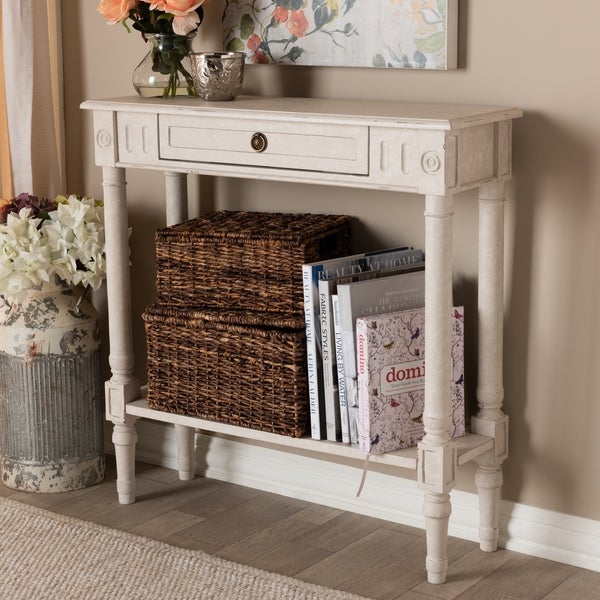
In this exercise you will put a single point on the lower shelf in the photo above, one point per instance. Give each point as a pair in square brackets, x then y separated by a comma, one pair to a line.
[468, 447]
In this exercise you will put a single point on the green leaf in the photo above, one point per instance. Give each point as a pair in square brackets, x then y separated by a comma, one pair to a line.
[322, 16]
[235, 45]
[295, 53]
[442, 6]
[430, 44]
[378, 61]
[246, 26]
[349, 6]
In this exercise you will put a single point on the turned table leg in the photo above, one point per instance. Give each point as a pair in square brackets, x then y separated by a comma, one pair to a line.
[489, 485]
[436, 452]
[176, 193]
[122, 386]
[124, 439]
[490, 420]
[185, 451]
[437, 509]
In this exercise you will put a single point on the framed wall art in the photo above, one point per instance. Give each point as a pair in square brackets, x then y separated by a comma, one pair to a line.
[405, 34]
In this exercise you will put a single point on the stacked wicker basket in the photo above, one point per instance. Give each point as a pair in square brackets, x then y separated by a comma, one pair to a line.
[226, 338]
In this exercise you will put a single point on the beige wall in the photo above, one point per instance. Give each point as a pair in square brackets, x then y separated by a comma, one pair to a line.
[543, 60]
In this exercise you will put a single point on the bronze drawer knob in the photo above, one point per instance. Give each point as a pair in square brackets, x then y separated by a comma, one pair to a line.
[259, 142]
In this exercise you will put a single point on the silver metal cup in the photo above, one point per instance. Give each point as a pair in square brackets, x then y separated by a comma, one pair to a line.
[218, 75]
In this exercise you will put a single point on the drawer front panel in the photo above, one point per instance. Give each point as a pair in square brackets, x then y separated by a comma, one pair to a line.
[302, 146]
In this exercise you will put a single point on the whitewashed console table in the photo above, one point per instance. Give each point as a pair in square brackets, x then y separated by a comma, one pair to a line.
[433, 150]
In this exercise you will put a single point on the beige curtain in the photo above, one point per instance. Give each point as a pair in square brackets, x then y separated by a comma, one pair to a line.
[31, 101]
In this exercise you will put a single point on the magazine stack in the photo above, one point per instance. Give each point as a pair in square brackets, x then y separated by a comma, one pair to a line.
[350, 400]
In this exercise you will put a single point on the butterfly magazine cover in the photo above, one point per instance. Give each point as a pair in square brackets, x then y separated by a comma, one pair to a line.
[391, 379]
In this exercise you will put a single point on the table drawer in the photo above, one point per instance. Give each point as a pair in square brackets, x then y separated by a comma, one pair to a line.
[334, 148]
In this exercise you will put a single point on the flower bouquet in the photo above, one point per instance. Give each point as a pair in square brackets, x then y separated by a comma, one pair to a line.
[41, 239]
[169, 25]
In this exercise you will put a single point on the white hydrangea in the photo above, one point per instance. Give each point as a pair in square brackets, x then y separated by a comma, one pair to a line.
[69, 244]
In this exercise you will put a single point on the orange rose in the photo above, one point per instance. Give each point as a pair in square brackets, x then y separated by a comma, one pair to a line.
[115, 11]
[281, 15]
[297, 23]
[254, 41]
[260, 57]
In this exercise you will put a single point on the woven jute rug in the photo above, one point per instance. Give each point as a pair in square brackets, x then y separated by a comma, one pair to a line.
[46, 556]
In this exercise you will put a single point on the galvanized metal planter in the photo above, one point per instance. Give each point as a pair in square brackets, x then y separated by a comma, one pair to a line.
[51, 424]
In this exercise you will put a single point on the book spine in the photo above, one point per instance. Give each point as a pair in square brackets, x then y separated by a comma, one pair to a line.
[363, 413]
[347, 328]
[332, 409]
[313, 358]
[340, 370]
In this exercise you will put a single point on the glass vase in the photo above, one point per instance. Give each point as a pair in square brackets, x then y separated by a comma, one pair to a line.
[165, 70]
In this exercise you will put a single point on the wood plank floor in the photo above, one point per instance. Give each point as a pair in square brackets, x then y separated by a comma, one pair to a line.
[337, 549]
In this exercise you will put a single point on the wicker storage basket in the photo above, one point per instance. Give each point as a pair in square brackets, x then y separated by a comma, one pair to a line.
[245, 260]
[246, 369]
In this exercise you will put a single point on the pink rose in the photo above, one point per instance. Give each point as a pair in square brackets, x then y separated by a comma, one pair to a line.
[183, 25]
[115, 11]
[185, 19]
[156, 4]
[179, 8]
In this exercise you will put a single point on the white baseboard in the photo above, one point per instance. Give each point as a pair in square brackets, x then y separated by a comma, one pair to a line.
[525, 529]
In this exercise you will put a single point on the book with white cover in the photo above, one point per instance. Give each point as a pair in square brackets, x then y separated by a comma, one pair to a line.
[344, 416]
[391, 360]
[313, 359]
[333, 428]
[311, 274]
[366, 298]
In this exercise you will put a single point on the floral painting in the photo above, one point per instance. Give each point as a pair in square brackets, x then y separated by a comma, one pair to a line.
[407, 34]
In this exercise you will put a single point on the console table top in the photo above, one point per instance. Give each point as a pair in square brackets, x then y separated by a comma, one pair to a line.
[415, 114]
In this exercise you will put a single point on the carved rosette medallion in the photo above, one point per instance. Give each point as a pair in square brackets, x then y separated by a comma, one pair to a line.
[431, 162]
[103, 138]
